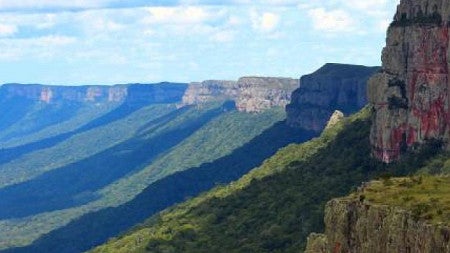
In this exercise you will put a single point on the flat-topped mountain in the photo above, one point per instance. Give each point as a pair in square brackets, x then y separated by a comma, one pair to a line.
[162, 92]
[250, 94]
[333, 87]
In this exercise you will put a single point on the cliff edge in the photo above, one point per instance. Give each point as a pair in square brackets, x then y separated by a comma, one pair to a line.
[394, 215]
[250, 94]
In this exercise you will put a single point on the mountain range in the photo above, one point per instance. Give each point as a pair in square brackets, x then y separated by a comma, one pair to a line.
[347, 159]
[83, 164]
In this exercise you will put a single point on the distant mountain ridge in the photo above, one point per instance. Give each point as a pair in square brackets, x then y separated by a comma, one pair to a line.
[158, 93]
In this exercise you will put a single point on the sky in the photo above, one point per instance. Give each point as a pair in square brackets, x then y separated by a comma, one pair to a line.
[78, 42]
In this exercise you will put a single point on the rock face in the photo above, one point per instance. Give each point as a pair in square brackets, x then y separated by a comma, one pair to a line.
[130, 93]
[335, 118]
[250, 94]
[353, 226]
[410, 96]
[211, 90]
[260, 93]
[332, 87]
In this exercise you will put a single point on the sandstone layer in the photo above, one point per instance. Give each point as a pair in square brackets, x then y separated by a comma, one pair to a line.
[410, 96]
[250, 94]
[352, 226]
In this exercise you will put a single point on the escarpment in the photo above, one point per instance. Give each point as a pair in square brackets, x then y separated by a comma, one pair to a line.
[129, 93]
[199, 93]
[250, 94]
[410, 96]
[333, 87]
[388, 217]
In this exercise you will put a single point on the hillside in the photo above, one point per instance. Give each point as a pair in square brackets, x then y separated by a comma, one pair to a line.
[274, 207]
[104, 153]
[72, 190]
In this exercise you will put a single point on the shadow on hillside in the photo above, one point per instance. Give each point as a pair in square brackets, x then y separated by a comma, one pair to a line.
[9, 154]
[95, 228]
[13, 113]
[76, 184]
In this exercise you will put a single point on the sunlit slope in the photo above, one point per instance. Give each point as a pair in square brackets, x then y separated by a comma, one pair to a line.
[274, 207]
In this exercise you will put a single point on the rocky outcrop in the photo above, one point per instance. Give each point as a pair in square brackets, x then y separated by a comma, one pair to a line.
[354, 226]
[335, 118]
[410, 96]
[130, 93]
[332, 87]
[250, 94]
[208, 91]
[260, 93]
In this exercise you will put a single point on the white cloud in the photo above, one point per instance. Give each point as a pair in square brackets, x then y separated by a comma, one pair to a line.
[224, 36]
[7, 30]
[332, 21]
[264, 22]
[46, 4]
[38, 47]
[52, 40]
[366, 5]
[177, 15]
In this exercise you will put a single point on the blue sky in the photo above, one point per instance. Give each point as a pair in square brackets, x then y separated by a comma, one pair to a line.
[74, 42]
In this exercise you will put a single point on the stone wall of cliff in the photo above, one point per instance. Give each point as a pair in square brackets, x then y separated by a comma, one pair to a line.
[352, 226]
[250, 94]
[332, 87]
[130, 93]
[381, 218]
[210, 90]
[410, 96]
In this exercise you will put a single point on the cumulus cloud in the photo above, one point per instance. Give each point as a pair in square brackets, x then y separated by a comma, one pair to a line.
[7, 30]
[177, 15]
[264, 22]
[331, 21]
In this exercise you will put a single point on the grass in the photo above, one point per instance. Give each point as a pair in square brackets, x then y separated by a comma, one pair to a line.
[427, 197]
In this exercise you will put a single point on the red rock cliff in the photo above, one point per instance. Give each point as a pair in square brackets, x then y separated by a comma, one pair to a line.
[410, 96]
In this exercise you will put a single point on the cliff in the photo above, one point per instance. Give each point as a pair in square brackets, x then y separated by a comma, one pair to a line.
[260, 93]
[199, 93]
[410, 96]
[129, 93]
[332, 87]
[396, 215]
[250, 94]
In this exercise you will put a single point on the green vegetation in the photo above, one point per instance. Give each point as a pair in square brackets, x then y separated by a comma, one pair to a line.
[38, 132]
[79, 146]
[216, 137]
[274, 207]
[427, 197]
